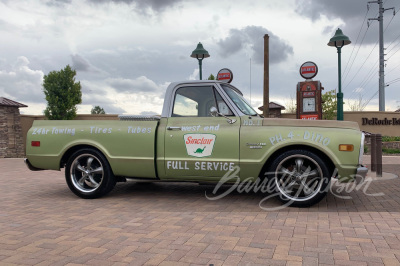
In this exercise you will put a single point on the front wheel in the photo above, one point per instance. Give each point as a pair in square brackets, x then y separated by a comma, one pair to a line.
[88, 174]
[301, 178]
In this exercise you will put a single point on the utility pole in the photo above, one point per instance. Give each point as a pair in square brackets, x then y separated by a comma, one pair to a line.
[250, 80]
[266, 76]
[381, 53]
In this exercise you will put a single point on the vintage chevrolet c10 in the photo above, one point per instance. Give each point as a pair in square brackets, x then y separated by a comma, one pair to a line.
[206, 131]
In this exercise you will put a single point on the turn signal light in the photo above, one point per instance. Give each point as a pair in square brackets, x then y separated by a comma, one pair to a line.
[35, 143]
[346, 147]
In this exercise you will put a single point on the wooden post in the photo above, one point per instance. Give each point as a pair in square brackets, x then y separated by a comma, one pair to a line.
[266, 76]
[378, 155]
[373, 152]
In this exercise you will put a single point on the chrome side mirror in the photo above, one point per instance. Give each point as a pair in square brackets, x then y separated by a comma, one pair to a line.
[214, 113]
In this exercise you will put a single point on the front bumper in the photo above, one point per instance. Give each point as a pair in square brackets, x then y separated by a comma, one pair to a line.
[361, 174]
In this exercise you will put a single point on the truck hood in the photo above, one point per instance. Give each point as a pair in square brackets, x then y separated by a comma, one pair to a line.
[309, 123]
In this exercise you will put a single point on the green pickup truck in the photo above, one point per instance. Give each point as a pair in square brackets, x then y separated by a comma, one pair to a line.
[206, 131]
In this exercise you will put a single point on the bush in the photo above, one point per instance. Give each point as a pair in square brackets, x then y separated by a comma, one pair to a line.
[388, 138]
[390, 151]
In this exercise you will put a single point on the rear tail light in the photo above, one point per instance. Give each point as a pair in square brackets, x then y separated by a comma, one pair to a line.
[35, 144]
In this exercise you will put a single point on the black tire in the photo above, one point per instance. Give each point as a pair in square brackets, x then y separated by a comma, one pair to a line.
[88, 174]
[301, 178]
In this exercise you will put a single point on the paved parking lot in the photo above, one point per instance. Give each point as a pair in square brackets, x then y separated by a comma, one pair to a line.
[43, 223]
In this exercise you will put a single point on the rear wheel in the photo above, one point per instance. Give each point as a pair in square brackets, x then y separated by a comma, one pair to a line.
[301, 178]
[88, 174]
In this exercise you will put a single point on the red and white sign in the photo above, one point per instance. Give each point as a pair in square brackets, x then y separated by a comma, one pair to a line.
[308, 93]
[199, 145]
[225, 75]
[309, 117]
[308, 70]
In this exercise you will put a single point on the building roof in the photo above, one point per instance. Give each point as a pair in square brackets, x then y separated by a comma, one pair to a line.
[272, 105]
[11, 103]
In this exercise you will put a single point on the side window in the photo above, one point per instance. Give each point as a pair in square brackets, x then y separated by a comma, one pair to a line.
[193, 101]
[222, 106]
[197, 102]
[184, 106]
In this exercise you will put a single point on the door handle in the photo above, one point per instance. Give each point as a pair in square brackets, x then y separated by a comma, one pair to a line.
[174, 128]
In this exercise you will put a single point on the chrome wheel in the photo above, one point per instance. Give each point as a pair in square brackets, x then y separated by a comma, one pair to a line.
[301, 177]
[86, 173]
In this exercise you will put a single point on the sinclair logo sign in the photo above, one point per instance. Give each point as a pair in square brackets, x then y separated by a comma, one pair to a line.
[308, 70]
[199, 145]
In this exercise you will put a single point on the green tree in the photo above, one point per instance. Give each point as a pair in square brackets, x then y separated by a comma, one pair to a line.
[97, 110]
[211, 77]
[62, 94]
[329, 105]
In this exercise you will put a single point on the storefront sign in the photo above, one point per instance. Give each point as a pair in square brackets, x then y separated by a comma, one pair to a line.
[380, 122]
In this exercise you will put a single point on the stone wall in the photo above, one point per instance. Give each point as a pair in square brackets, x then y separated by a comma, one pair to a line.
[11, 137]
[275, 113]
[391, 145]
[384, 123]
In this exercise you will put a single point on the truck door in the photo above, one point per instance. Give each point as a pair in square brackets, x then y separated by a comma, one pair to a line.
[199, 146]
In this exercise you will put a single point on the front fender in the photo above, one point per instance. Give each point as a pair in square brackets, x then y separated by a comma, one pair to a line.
[258, 145]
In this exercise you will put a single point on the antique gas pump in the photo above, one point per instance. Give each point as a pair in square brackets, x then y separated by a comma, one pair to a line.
[309, 94]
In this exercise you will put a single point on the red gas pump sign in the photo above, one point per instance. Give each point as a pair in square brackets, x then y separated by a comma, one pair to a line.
[225, 75]
[308, 70]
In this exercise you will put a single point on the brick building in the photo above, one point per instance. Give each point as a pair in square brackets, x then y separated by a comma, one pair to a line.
[11, 140]
[275, 110]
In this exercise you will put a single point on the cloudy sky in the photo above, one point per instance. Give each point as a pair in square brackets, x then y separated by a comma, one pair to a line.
[126, 52]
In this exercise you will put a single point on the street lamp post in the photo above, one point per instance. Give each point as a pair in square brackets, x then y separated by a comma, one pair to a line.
[200, 53]
[338, 41]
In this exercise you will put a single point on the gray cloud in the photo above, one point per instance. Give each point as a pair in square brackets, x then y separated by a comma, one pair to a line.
[112, 109]
[58, 3]
[140, 84]
[148, 113]
[251, 38]
[144, 7]
[344, 9]
[18, 81]
[352, 13]
[97, 97]
[6, 26]
[79, 63]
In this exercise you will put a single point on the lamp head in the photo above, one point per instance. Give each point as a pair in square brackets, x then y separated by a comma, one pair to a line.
[200, 52]
[339, 40]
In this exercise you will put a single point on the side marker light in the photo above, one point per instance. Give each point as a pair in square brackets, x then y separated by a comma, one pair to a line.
[346, 147]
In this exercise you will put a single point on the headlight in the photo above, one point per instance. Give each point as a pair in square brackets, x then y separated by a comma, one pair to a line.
[361, 148]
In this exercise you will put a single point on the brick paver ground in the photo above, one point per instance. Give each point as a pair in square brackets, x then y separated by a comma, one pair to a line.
[43, 223]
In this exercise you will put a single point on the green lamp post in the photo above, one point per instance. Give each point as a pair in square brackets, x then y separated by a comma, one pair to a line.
[338, 41]
[200, 53]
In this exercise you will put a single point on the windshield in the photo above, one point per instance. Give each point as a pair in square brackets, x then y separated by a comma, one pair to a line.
[239, 101]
